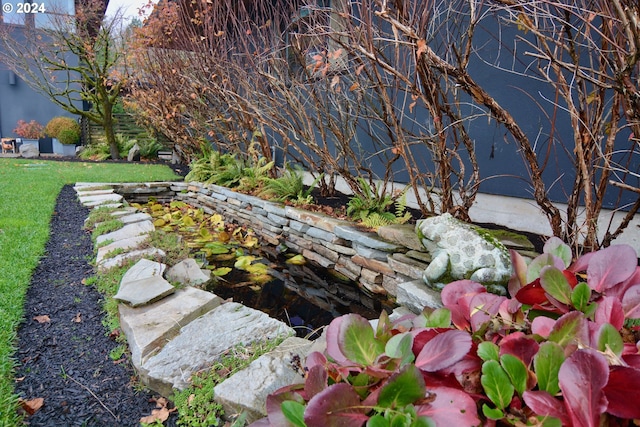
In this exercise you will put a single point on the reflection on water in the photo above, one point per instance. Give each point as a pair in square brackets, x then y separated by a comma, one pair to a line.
[306, 297]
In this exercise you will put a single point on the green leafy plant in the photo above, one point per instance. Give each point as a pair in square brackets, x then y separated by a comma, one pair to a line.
[106, 227]
[196, 406]
[372, 206]
[99, 148]
[65, 127]
[289, 187]
[69, 136]
[552, 355]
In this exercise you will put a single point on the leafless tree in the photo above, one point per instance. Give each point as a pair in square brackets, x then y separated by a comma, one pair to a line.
[72, 60]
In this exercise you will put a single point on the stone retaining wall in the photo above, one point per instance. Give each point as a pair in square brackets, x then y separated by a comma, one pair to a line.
[380, 263]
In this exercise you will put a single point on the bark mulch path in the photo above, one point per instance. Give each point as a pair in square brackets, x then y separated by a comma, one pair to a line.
[65, 359]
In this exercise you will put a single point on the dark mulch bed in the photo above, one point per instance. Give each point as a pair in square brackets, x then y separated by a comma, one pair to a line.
[66, 361]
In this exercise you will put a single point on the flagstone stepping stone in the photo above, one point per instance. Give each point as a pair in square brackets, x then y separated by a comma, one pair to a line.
[139, 253]
[99, 199]
[266, 374]
[204, 341]
[148, 328]
[131, 218]
[143, 269]
[125, 244]
[187, 272]
[144, 291]
[124, 211]
[127, 231]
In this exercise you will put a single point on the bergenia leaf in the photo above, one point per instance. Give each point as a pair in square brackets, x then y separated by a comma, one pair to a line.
[377, 421]
[546, 365]
[492, 413]
[544, 404]
[483, 308]
[623, 393]
[356, 340]
[610, 266]
[631, 302]
[333, 335]
[582, 378]
[496, 384]
[532, 294]
[402, 388]
[316, 381]
[451, 407]
[488, 351]
[294, 413]
[519, 278]
[580, 296]
[609, 310]
[519, 345]
[453, 292]
[541, 261]
[555, 246]
[439, 318]
[337, 406]
[555, 284]
[275, 412]
[517, 372]
[542, 326]
[456, 296]
[570, 328]
[443, 350]
[609, 338]
[399, 347]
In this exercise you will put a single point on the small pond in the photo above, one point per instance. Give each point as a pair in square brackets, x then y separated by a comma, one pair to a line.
[282, 284]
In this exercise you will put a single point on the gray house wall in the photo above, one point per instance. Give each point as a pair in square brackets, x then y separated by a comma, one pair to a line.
[18, 100]
[502, 168]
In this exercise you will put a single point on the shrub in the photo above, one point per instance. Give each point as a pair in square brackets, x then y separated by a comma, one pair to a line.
[69, 136]
[562, 351]
[56, 125]
[31, 130]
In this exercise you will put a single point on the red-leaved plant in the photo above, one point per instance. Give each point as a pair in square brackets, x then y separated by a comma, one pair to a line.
[561, 352]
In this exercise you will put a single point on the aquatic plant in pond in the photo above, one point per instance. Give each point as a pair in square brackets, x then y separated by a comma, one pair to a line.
[282, 284]
[563, 351]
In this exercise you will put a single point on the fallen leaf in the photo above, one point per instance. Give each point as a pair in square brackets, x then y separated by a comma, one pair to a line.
[42, 319]
[161, 413]
[78, 318]
[32, 406]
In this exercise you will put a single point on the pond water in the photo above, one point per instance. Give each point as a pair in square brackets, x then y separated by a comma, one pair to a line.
[284, 285]
[306, 297]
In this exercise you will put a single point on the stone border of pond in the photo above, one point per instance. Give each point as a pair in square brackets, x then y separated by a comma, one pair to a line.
[388, 262]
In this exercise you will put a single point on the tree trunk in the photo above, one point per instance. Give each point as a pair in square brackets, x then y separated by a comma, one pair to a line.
[109, 133]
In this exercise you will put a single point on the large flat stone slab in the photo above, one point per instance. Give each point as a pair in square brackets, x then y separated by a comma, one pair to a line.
[99, 199]
[265, 375]
[131, 218]
[150, 327]
[203, 342]
[127, 231]
[122, 258]
[416, 295]
[144, 291]
[143, 269]
[187, 272]
[125, 244]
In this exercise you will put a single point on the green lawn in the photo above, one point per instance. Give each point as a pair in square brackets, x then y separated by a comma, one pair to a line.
[28, 191]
